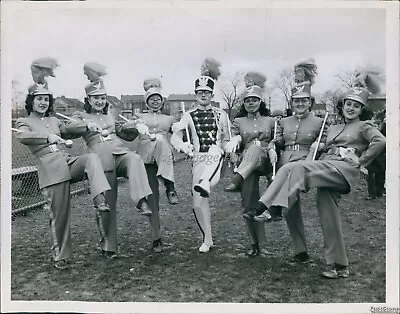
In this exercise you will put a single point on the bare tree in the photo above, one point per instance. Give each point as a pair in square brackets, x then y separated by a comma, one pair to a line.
[231, 90]
[284, 83]
[348, 78]
[16, 98]
[330, 98]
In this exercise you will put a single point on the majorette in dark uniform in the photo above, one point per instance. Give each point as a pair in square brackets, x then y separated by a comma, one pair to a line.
[102, 135]
[253, 130]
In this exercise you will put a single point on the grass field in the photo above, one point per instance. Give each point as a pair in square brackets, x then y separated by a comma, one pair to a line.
[181, 273]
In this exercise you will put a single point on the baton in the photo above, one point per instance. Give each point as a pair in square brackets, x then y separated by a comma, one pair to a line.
[320, 135]
[63, 116]
[186, 127]
[230, 137]
[274, 164]
[123, 118]
[67, 143]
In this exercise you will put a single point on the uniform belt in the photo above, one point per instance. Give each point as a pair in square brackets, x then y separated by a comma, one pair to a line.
[98, 139]
[297, 147]
[335, 150]
[47, 150]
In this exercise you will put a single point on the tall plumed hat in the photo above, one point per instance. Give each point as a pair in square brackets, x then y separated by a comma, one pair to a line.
[254, 85]
[209, 74]
[305, 71]
[152, 86]
[41, 68]
[366, 83]
[94, 72]
[304, 77]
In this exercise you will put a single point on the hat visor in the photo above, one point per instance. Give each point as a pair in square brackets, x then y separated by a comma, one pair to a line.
[252, 95]
[42, 92]
[301, 95]
[356, 98]
[97, 92]
[204, 88]
[149, 95]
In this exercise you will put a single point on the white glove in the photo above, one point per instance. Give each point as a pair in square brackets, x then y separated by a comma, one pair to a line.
[363, 170]
[93, 126]
[129, 125]
[273, 157]
[186, 148]
[142, 128]
[314, 146]
[232, 145]
[178, 126]
[159, 136]
[55, 139]
[348, 154]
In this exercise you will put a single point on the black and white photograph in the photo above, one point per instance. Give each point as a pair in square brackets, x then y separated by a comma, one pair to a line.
[200, 156]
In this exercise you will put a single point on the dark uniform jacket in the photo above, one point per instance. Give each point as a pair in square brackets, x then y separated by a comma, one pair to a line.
[295, 136]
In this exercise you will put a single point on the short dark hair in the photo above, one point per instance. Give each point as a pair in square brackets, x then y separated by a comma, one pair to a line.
[88, 107]
[366, 114]
[264, 111]
[29, 104]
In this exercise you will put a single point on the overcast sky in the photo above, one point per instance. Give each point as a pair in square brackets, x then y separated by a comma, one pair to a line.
[137, 43]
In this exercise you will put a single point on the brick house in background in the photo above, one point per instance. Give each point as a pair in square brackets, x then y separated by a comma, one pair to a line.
[376, 102]
[67, 106]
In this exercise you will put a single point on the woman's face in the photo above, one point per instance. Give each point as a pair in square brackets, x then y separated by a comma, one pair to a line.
[352, 109]
[98, 102]
[301, 105]
[155, 102]
[252, 104]
[41, 104]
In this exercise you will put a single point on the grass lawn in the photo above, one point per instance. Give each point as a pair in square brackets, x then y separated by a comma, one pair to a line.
[181, 273]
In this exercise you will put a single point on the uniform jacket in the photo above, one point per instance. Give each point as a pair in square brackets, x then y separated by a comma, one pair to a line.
[367, 141]
[218, 134]
[104, 147]
[53, 159]
[158, 123]
[251, 128]
[298, 131]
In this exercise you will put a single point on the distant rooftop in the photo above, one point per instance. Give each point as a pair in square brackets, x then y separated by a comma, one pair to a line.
[181, 97]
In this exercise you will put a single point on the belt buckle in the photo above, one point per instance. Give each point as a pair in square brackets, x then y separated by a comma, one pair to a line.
[105, 139]
[257, 142]
[53, 148]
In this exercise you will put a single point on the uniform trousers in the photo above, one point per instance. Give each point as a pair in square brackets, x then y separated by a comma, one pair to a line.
[59, 201]
[300, 176]
[206, 166]
[250, 193]
[161, 155]
[130, 166]
[154, 201]
[251, 160]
